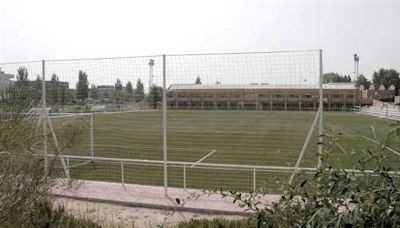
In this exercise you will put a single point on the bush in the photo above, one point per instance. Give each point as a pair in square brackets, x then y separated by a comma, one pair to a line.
[218, 223]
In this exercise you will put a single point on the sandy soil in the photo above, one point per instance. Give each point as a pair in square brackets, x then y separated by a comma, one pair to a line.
[110, 215]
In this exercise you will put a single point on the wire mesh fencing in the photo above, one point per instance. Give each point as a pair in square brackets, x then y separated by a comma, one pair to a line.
[224, 122]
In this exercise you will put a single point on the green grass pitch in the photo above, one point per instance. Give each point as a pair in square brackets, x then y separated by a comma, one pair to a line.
[232, 137]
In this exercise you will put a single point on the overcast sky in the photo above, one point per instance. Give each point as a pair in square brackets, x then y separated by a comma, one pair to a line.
[54, 29]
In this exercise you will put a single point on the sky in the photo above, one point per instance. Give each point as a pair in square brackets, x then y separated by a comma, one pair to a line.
[63, 29]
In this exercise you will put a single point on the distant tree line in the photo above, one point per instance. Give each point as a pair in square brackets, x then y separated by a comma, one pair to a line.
[58, 93]
[385, 77]
[335, 77]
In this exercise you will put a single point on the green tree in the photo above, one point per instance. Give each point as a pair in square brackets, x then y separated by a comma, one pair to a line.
[118, 94]
[362, 80]
[38, 89]
[139, 93]
[22, 76]
[333, 77]
[155, 96]
[129, 90]
[54, 88]
[386, 77]
[94, 94]
[63, 96]
[82, 88]
[21, 89]
[198, 80]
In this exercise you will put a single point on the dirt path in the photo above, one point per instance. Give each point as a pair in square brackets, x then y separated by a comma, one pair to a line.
[110, 215]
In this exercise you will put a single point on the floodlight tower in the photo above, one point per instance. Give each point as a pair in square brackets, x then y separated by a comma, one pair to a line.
[151, 76]
[356, 60]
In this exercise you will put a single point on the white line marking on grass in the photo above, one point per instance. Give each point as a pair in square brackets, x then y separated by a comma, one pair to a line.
[212, 151]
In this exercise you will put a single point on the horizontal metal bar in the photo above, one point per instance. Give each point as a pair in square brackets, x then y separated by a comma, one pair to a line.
[214, 165]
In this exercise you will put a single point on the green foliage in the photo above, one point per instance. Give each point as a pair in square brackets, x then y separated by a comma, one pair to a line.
[43, 214]
[218, 223]
[386, 77]
[55, 89]
[118, 94]
[335, 77]
[129, 90]
[155, 96]
[94, 93]
[37, 89]
[82, 87]
[20, 91]
[362, 80]
[139, 93]
[198, 80]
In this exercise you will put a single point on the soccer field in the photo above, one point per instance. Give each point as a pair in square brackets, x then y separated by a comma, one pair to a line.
[222, 137]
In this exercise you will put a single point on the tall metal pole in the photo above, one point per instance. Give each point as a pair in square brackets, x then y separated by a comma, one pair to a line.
[321, 111]
[164, 112]
[91, 135]
[356, 61]
[44, 117]
[151, 76]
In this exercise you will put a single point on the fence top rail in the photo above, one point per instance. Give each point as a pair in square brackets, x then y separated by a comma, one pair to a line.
[160, 55]
[20, 62]
[231, 166]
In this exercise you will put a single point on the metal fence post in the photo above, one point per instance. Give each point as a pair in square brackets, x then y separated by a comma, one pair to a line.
[321, 105]
[68, 164]
[164, 113]
[184, 176]
[44, 119]
[91, 135]
[254, 179]
[122, 173]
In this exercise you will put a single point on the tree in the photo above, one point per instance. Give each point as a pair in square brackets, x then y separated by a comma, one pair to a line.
[155, 96]
[38, 89]
[139, 93]
[82, 88]
[118, 96]
[362, 80]
[22, 76]
[54, 88]
[94, 94]
[333, 77]
[386, 77]
[129, 90]
[198, 81]
[21, 90]
[63, 96]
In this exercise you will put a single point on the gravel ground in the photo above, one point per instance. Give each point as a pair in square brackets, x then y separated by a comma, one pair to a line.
[110, 215]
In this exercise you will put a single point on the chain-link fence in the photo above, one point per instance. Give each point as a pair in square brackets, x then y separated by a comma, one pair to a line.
[194, 121]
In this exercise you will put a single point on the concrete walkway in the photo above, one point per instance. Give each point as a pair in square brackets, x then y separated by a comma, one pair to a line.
[150, 197]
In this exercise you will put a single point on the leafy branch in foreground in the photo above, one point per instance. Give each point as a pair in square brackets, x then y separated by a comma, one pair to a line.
[24, 184]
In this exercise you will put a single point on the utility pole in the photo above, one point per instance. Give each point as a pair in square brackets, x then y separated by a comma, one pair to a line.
[151, 76]
[356, 60]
